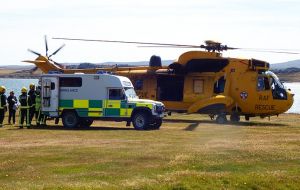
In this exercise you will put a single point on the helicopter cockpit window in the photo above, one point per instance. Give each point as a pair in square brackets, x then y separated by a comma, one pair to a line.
[219, 86]
[278, 90]
[263, 83]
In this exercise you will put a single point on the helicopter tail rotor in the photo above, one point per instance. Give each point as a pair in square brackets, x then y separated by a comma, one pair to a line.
[46, 45]
[55, 52]
[34, 52]
[47, 56]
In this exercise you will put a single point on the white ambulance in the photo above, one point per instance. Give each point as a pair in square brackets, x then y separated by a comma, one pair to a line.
[79, 99]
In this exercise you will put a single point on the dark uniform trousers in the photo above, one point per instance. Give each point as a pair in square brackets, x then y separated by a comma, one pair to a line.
[24, 110]
[32, 95]
[2, 108]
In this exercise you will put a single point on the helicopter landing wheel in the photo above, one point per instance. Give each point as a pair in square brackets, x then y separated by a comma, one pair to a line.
[212, 116]
[247, 118]
[234, 117]
[221, 119]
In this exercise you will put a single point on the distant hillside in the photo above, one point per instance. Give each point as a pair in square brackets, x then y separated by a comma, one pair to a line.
[285, 65]
[17, 67]
[109, 64]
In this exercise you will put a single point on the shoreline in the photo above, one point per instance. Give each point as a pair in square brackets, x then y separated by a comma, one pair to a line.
[19, 76]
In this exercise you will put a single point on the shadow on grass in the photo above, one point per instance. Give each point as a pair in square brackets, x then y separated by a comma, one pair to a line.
[260, 124]
[194, 123]
[59, 127]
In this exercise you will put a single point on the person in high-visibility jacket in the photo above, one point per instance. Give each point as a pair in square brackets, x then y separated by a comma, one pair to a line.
[3, 107]
[32, 95]
[25, 105]
[41, 118]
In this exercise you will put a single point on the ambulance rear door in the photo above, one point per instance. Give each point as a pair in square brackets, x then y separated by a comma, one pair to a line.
[50, 95]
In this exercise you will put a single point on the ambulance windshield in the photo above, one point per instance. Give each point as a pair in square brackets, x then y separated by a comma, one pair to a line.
[130, 93]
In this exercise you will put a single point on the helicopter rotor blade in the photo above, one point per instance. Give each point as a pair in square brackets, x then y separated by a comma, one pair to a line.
[34, 52]
[125, 42]
[168, 46]
[46, 45]
[55, 52]
[210, 45]
[283, 51]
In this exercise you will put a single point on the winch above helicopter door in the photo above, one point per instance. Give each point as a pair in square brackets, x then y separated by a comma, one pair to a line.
[170, 88]
[50, 95]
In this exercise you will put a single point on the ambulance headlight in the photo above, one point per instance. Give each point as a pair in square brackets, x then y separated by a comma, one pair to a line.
[159, 109]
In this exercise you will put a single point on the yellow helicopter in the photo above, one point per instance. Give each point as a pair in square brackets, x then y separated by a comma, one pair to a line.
[199, 82]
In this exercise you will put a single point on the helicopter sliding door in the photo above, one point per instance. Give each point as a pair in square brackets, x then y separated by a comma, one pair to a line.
[170, 88]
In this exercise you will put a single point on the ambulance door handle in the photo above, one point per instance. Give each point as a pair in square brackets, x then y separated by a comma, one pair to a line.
[110, 106]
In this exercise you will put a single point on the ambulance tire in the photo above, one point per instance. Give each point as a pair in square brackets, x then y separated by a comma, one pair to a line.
[156, 124]
[140, 120]
[70, 119]
[85, 123]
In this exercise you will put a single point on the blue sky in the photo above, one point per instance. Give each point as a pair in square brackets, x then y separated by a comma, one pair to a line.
[248, 23]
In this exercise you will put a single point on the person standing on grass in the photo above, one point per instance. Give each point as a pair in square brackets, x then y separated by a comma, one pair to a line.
[12, 107]
[3, 107]
[25, 105]
[32, 95]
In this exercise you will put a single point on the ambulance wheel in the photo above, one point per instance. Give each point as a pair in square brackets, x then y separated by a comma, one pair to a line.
[221, 119]
[234, 117]
[157, 123]
[85, 123]
[70, 119]
[140, 120]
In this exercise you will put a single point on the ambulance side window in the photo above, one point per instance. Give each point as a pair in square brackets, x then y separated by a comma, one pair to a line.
[52, 85]
[70, 82]
[116, 94]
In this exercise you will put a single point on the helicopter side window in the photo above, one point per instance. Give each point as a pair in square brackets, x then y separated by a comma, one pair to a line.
[219, 85]
[263, 83]
[198, 86]
[267, 83]
[260, 83]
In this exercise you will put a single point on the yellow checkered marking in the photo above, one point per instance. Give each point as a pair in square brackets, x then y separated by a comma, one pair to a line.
[81, 104]
[96, 109]
[95, 114]
[112, 103]
[144, 105]
[125, 112]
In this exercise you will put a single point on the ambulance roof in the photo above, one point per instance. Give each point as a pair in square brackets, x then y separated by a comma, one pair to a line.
[109, 78]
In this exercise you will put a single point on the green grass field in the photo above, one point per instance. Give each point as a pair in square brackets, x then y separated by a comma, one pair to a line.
[188, 152]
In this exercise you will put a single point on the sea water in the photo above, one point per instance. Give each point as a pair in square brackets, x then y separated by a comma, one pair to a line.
[17, 84]
[295, 88]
